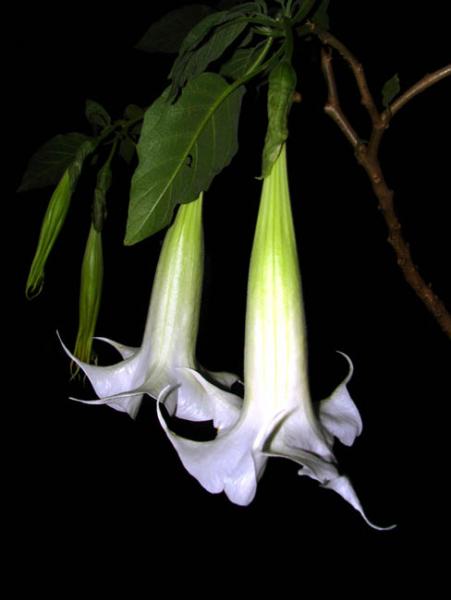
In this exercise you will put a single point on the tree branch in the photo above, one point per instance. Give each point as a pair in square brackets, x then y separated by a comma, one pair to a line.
[332, 107]
[424, 83]
[367, 156]
[367, 99]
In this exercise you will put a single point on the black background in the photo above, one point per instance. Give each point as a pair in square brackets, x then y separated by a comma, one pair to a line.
[90, 477]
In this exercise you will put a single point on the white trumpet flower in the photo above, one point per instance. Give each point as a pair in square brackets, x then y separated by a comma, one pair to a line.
[277, 416]
[167, 353]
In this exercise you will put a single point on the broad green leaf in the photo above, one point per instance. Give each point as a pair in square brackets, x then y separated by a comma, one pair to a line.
[47, 165]
[218, 42]
[390, 90]
[183, 146]
[199, 32]
[206, 42]
[97, 115]
[167, 34]
[282, 84]
[241, 61]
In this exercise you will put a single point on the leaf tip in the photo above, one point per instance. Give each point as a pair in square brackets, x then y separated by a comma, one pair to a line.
[129, 240]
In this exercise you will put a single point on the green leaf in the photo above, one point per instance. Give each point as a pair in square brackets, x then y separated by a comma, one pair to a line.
[97, 115]
[47, 165]
[241, 60]
[200, 30]
[127, 150]
[206, 42]
[183, 146]
[282, 84]
[167, 34]
[390, 90]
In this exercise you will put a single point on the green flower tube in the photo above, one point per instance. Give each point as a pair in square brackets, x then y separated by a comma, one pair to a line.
[166, 359]
[51, 226]
[277, 418]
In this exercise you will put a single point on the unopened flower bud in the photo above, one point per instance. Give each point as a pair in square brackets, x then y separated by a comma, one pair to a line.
[51, 226]
[90, 294]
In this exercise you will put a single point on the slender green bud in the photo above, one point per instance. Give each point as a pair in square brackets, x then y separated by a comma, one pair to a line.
[51, 226]
[90, 294]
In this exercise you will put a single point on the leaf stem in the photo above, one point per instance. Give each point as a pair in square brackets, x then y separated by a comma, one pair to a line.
[258, 61]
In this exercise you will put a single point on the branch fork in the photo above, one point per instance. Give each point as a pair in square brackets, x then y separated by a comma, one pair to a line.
[367, 155]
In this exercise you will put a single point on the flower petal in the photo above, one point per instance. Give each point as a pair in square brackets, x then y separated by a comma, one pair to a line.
[343, 486]
[129, 403]
[224, 464]
[319, 467]
[339, 415]
[124, 351]
[200, 400]
[123, 377]
[221, 377]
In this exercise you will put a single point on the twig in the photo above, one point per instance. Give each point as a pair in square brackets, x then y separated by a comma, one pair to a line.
[367, 99]
[367, 156]
[332, 107]
[424, 83]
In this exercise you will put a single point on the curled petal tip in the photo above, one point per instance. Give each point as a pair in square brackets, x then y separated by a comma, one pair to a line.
[342, 486]
[124, 351]
[128, 402]
[76, 360]
[351, 366]
[94, 401]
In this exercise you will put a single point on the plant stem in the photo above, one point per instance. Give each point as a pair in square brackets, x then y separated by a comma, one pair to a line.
[424, 83]
[367, 155]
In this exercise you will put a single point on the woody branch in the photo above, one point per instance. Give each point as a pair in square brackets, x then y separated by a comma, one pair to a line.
[367, 155]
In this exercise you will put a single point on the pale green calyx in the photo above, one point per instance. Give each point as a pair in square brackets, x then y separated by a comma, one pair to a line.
[277, 416]
[166, 357]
